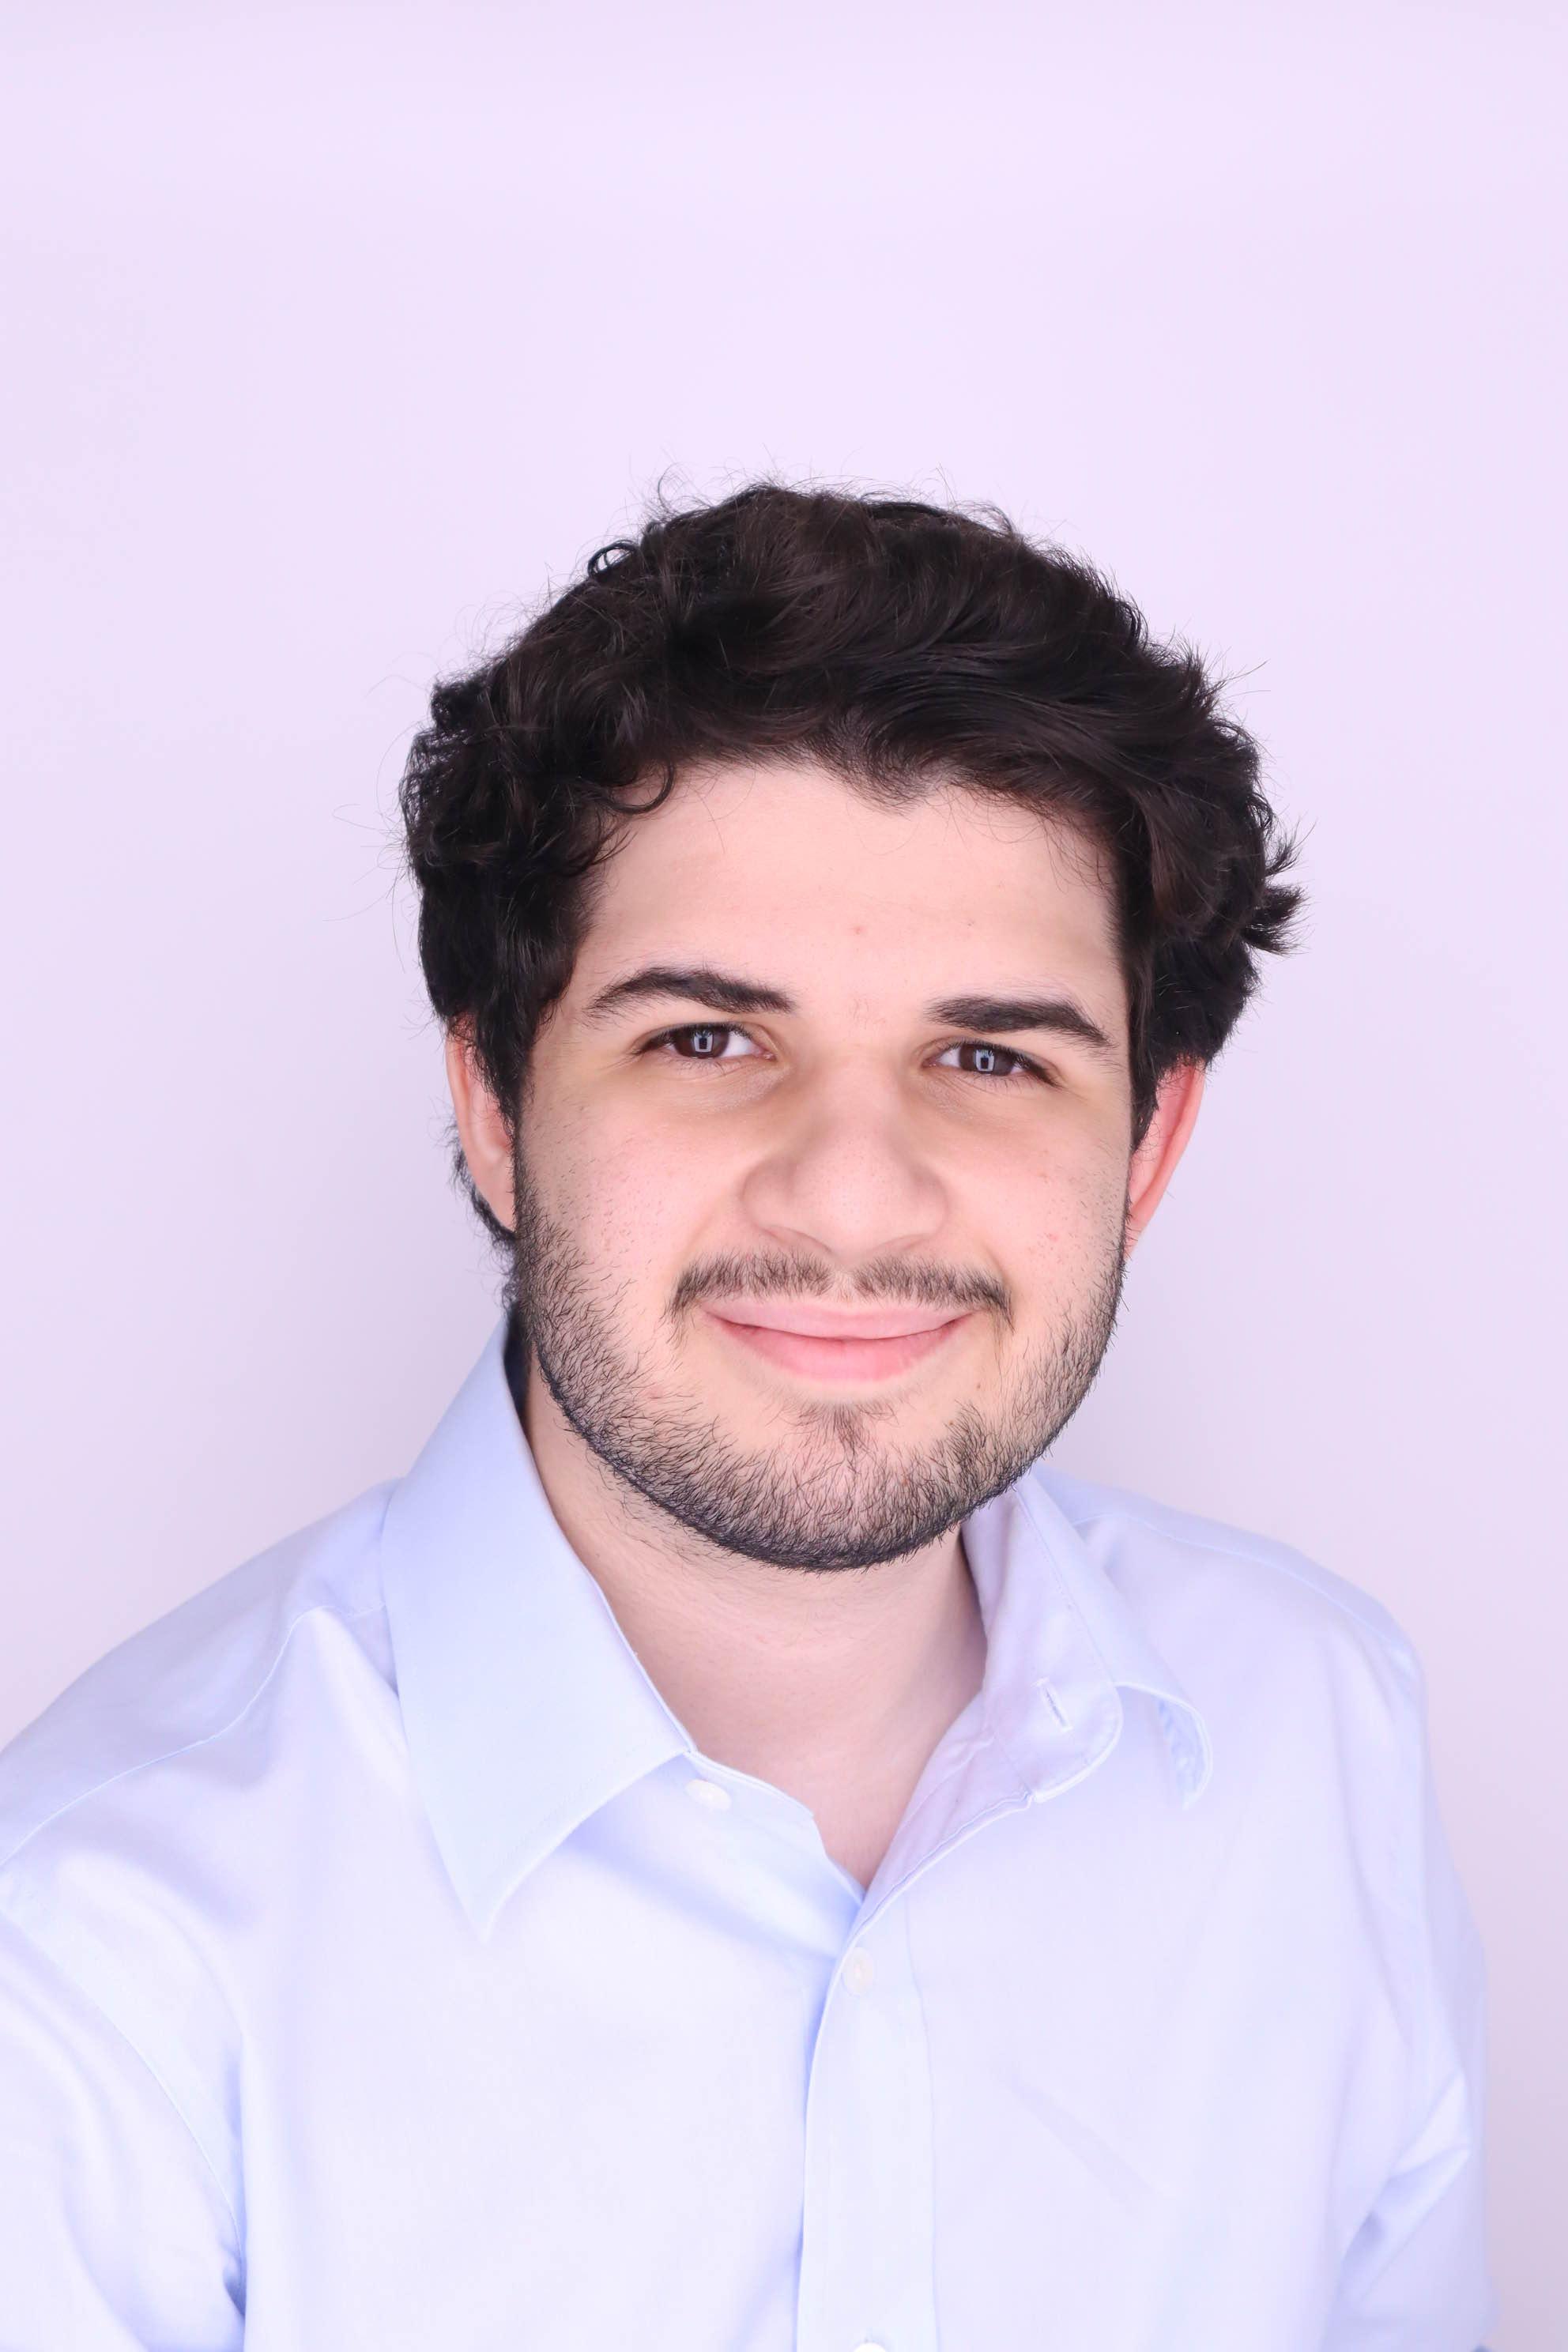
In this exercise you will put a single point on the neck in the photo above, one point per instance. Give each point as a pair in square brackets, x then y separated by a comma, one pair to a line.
[832, 1686]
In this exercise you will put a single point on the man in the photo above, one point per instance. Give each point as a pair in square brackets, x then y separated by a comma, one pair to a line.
[731, 1852]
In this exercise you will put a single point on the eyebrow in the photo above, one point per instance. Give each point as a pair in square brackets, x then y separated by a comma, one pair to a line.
[724, 992]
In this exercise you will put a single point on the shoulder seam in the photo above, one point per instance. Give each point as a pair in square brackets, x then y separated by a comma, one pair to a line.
[166, 1755]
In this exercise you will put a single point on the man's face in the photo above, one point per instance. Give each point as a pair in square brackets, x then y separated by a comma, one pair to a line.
[821, 1213]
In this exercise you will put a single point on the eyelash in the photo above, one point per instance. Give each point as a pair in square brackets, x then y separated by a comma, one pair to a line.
[1026, 1069]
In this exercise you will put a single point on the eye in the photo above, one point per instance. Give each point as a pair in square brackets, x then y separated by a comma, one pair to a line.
[998, 1062]
[704, 1042]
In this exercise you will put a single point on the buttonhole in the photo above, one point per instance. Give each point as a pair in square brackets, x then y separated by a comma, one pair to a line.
[1056, 1705]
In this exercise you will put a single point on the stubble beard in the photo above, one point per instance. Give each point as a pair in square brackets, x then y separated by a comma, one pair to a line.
[835, 1491]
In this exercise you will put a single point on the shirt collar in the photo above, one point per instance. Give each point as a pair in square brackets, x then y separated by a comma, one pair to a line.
[526, 1710]
[1059, 1631]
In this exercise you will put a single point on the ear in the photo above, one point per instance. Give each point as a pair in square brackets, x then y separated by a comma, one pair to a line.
[1155, 1162]
[482, 1125]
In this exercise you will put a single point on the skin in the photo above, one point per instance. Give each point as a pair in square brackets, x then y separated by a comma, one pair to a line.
[776, 1522]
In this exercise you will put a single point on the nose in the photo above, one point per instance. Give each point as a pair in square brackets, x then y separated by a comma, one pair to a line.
[847, 1175]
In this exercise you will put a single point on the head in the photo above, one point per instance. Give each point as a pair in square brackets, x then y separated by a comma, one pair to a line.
[833, 906]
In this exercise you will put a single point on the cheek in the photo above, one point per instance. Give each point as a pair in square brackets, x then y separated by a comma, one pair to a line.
[1046, 1190]
[633, 1199]
[1062, 1235]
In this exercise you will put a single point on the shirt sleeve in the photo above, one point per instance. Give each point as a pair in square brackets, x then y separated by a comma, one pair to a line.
[115, 2235]
[1415, 2277]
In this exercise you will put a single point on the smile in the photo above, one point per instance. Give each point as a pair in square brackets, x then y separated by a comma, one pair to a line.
[819, 1348]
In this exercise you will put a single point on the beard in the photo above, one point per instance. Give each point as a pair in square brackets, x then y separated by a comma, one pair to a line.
[833, 1491]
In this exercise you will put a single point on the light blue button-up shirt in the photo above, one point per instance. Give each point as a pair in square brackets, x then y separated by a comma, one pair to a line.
[383, 1966]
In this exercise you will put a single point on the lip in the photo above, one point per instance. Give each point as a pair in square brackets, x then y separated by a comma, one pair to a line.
[824, 1347]
[830, 1322]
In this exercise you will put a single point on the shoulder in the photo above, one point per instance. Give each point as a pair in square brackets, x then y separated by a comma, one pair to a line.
[1137, 1536]
[1311, 1695]
[152, 1796]
[1258, 1630]
[183, 1682]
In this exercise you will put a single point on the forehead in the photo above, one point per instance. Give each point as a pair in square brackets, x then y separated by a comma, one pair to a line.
[791, 867]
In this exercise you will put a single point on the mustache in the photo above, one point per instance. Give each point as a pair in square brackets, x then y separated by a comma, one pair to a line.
[889, 1281]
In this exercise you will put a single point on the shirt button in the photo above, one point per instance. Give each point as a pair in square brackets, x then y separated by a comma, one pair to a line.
[708, 1793]
[859, 1968]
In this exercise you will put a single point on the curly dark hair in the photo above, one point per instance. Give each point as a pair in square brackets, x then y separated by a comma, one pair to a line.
[901, 644]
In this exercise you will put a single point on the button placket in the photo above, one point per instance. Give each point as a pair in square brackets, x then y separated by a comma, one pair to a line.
[866, 2252]
[859, 1969]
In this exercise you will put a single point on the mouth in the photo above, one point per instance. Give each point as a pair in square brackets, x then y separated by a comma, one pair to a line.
[820, 1345]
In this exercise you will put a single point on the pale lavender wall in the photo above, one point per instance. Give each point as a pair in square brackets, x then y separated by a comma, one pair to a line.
[342, 330]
